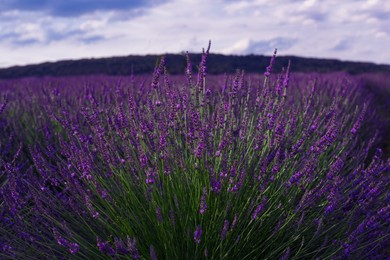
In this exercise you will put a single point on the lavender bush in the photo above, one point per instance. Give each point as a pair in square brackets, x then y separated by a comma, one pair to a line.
[233, 167]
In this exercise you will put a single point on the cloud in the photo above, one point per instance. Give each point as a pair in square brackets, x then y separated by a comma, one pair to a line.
[17, 39]
[8, 36]
[42, 30]
[53, 35]
[22, 42]
[381, 14]
[26, 35]
[257, 47]
[72, 8]
[260, 46]
[92, 39]
[342, 45]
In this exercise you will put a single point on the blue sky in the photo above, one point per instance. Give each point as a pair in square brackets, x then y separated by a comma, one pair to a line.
[33, 31]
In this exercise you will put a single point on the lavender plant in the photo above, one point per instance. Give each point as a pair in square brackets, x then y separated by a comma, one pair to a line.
[230, 168]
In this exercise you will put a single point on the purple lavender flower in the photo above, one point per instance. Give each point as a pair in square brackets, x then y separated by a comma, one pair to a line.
[73, 248]
[272, 62]
[259, 209]
[143, 159]
[105, 247]
[233, 169]
[62, 241]
[2, 107]
[234, 223]
[357, 124]
[188, 70]
[203, 205]
[120, 247]
[5, 248]
[295, 178]
[199, 150]
[90, 207]
[223, 174]
[236, 83]
[157, 72]
[215, 185]
[150, 177]
[159, 214]
[132, 247]
[225, 229]
[336, 167]
[348, 249]
[202, 65]
[198, 234]
[153, 255]
[239, 183]
[384, 213]
[162, 142]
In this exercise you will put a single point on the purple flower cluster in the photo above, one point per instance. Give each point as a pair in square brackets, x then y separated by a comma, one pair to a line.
[259, 209]
[203, 205]
[238, 166]
[198, 234]
[73, 247]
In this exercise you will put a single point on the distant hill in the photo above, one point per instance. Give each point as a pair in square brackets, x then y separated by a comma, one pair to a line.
[216, 64]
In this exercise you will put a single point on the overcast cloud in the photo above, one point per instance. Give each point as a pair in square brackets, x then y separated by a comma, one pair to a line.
[33, 31]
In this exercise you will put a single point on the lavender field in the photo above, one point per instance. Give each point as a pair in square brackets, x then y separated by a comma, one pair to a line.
[258, 166]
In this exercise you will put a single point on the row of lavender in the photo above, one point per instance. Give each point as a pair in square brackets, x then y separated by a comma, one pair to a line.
[235, 167]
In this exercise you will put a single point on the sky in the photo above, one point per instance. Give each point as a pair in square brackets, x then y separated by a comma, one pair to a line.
[35, 31]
